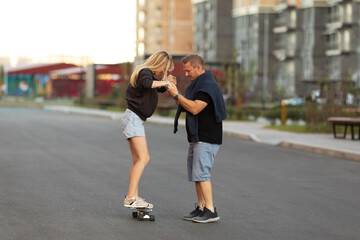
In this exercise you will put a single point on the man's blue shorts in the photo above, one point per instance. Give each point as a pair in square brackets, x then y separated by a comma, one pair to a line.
[200, 160]
[132, 125]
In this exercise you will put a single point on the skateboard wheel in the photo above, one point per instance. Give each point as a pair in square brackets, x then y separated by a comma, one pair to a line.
[134, 214]
[152, 218]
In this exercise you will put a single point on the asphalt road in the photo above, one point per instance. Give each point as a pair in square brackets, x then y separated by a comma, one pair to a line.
[64, 176]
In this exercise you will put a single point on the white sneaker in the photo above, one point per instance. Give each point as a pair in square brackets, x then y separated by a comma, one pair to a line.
[136, 202]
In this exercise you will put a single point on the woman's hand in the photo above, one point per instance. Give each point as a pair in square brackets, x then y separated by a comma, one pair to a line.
[172, 79]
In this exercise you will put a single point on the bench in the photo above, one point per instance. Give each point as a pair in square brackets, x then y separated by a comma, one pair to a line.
[345, 121]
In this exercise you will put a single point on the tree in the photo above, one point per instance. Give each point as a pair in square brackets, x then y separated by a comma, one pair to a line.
[1, 79]
[237, 79]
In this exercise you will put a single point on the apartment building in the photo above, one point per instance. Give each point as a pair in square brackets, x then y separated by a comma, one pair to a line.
[213, 30]
[312, 64]
[298, 43]
[255, 41]
[343, 43]
[328, 44]
[164, 25]
[288, 45]
[286, 42]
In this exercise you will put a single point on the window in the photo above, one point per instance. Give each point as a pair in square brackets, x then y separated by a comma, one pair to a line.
[158, 31]
[208, 6]
[338, 40]
[293, 18]
[207, 26]
[291, 68]
[347, 40]
[141, 3]
[141, 49]
[141, 34]
[158, 46]
[141, 17]
[158, 13]
[292, 40]
[348, 18]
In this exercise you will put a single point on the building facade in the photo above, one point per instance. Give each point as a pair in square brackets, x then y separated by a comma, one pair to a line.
[286, 42]
[254, 40]
[213, 29]
[308, 42]
[164, 25]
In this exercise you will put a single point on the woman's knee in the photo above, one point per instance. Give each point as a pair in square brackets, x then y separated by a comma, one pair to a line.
[147, 159]
[144, 159]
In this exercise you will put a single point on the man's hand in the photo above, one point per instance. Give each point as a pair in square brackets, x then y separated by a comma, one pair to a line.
[194, 107]
[172, 89]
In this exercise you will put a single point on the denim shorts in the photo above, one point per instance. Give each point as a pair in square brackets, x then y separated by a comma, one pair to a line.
[200, 160]
[132, 125]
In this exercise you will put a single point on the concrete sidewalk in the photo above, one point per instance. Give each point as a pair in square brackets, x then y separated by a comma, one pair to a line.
[317, 143]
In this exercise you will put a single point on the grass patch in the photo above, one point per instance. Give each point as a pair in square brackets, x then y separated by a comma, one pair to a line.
[322, 128]
[289, 128]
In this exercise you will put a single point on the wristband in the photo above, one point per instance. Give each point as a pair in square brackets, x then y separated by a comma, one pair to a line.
[176, 96]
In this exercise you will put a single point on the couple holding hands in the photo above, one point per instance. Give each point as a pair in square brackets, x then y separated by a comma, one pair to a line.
[205, 109]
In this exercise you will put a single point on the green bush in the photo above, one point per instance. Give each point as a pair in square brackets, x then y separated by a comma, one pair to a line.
[232, 113]
[242, 114]
[295, 114]
[246, 113]
[273, 114]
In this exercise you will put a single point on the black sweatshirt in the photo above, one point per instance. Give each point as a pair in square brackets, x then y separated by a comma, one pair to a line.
[143, 99]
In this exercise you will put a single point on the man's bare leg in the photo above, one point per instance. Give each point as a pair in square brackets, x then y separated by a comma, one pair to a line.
[206, 190]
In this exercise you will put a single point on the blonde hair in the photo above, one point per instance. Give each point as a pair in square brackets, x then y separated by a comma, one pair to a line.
[155, 61]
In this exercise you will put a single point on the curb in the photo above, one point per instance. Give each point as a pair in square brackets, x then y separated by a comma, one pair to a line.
[322, 151]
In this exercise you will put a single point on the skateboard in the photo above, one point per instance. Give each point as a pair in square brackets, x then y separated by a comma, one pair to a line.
[143, 214]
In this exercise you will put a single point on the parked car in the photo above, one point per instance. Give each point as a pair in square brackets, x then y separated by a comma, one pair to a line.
[295, 101]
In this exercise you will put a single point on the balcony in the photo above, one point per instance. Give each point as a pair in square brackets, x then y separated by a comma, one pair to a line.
[283, 54]
[335, 50]
[283, 25]
[335, 23]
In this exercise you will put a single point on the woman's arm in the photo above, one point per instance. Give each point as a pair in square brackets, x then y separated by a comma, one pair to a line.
[157, 84]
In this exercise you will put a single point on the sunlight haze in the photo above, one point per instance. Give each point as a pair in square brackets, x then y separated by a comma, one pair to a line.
[103, 30]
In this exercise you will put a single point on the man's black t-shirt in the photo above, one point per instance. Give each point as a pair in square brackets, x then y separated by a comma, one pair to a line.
[210, 131]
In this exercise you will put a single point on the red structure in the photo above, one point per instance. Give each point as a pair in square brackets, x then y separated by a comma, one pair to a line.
[67, 82]
[39, 68]
[71, 82]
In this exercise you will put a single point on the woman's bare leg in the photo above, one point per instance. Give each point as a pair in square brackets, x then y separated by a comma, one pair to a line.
[140, 156]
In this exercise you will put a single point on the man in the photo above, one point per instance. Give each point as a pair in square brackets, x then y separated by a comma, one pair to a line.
[205, 109]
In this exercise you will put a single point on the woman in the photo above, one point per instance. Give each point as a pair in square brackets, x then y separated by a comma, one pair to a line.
[142, 97]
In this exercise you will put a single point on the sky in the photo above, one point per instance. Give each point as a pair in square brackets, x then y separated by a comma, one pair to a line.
[104, 30]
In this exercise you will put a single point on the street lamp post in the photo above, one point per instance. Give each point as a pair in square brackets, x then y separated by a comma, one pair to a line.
[265, 59]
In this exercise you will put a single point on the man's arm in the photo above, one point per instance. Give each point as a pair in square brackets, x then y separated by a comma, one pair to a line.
[195, 107]
[192, 106]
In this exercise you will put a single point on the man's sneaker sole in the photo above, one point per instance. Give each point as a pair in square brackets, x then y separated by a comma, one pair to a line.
[207, 220]
[187, 218]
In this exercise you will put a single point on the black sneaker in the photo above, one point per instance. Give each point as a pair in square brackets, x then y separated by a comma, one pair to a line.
[193, 214]
[207, 216]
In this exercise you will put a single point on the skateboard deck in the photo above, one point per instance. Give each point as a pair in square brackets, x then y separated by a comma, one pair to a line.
[143, 214]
